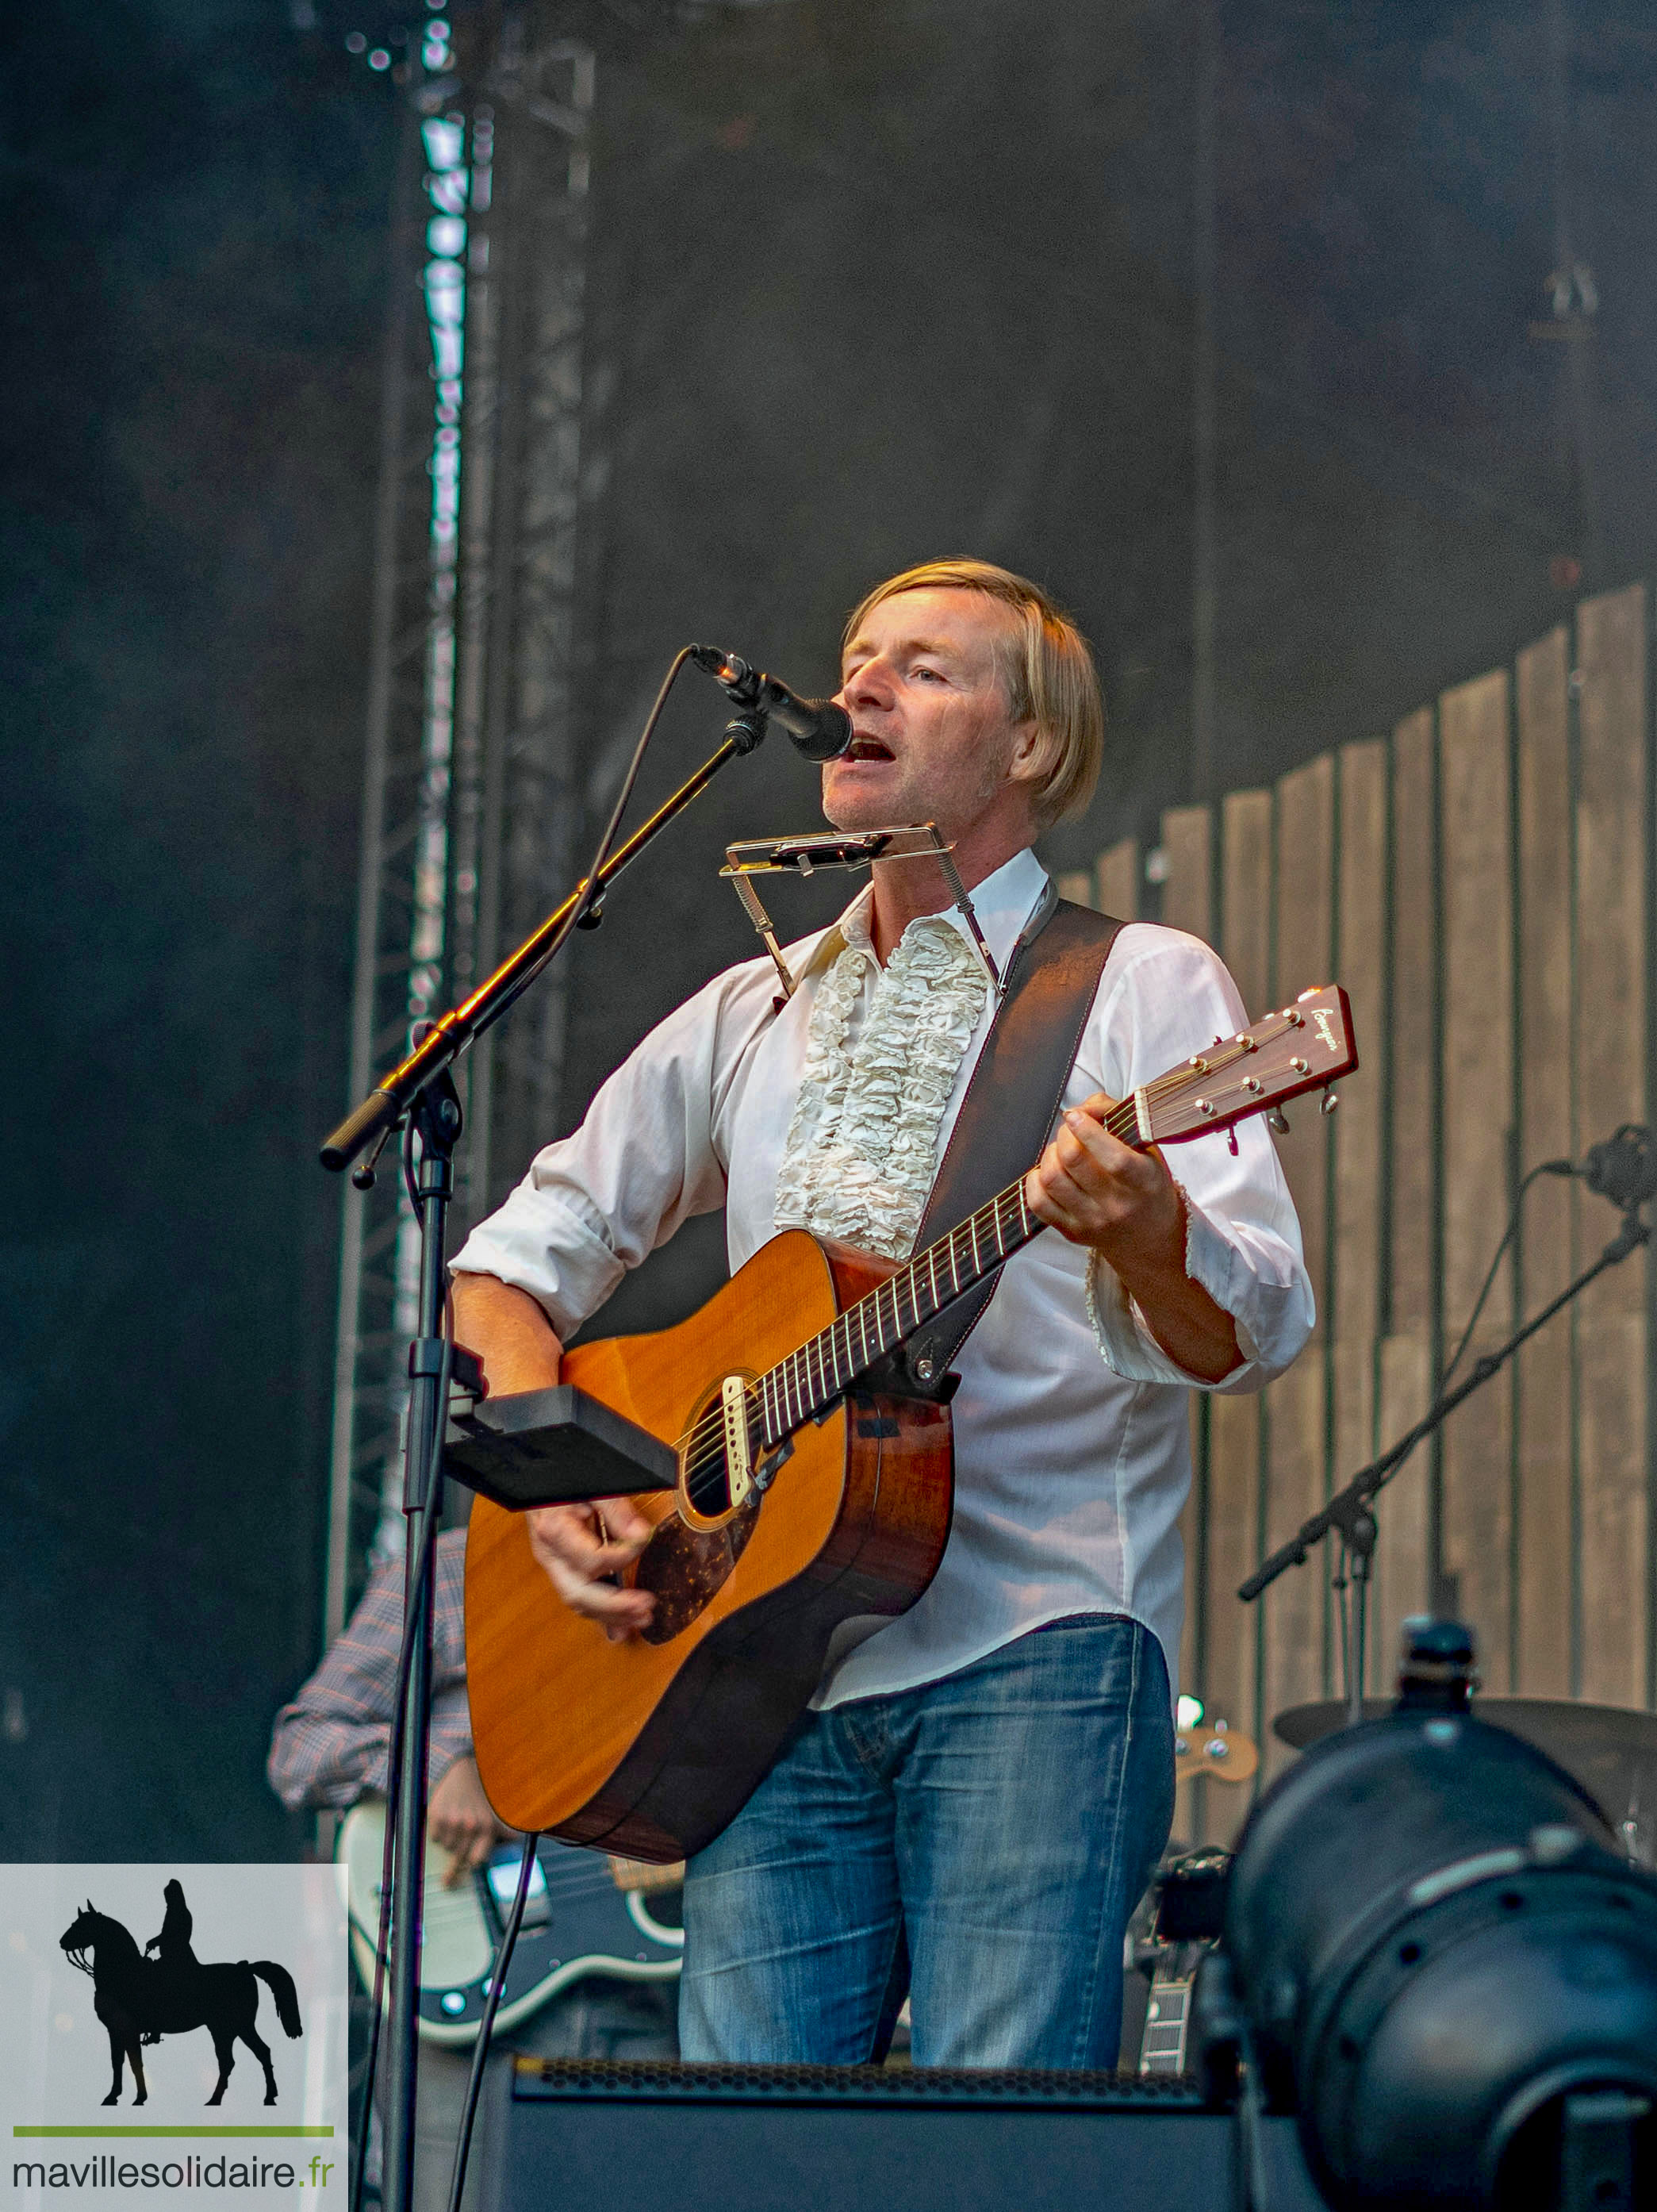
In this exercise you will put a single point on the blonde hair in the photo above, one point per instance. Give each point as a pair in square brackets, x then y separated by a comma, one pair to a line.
[1046, 671]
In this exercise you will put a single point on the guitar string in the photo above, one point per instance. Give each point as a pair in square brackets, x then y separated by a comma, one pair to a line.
[1122, 1122]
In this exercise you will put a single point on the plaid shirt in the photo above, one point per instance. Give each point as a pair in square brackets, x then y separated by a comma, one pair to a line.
[329, 1747]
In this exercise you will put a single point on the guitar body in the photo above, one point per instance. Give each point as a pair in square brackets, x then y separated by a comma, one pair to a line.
[651, 1747]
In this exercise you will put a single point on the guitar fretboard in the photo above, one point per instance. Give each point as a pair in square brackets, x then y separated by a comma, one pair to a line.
[801, 1386]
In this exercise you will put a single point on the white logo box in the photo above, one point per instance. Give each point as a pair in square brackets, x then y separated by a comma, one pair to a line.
[64, 2145]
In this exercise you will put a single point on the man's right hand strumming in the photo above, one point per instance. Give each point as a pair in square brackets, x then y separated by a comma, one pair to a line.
[582, 1548]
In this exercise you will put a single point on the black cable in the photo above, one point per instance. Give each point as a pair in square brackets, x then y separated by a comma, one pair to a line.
[1546, 1167]
[423, 1570]
[486, 2026]
[590, 891]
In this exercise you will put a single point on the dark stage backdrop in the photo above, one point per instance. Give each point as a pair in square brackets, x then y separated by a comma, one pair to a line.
[871, 280]
[196, 204]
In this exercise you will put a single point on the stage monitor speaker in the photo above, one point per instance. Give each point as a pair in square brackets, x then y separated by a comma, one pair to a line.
[864, 2139]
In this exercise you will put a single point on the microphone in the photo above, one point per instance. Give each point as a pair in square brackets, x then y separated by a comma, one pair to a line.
[819, 729]
[1621, 1166]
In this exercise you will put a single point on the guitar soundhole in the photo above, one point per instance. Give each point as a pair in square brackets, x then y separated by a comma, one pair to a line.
[684, 1568]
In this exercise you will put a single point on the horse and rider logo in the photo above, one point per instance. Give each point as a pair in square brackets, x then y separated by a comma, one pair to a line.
[140, 1999]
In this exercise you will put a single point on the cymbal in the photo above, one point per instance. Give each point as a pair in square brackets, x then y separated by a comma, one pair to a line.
[1612, 1750]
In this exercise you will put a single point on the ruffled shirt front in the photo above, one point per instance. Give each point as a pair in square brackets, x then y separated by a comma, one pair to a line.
[862, 1146]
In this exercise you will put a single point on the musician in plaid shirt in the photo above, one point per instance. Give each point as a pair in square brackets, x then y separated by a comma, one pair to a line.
[330, 1745]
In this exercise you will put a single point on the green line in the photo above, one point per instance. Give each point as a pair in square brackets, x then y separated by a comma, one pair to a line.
[171, 2132]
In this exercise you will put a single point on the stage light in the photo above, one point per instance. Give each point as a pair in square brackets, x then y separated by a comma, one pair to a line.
[1443, 1962]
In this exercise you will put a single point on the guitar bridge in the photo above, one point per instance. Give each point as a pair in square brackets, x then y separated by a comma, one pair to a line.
[739, 1454]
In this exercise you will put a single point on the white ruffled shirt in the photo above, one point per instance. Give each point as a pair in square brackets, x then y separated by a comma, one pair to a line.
[1073, 1441]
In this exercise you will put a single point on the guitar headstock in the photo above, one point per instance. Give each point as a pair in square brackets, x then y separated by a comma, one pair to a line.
[1302, 1047]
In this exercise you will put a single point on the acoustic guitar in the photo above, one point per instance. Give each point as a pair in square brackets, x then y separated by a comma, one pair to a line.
[816, 1483]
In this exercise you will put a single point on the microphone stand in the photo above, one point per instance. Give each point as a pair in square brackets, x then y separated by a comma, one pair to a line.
[422, 1089]
[1349, 1510]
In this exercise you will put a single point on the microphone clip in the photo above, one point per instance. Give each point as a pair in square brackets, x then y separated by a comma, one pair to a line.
[747, 730]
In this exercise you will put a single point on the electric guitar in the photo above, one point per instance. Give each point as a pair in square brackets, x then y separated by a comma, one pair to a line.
[581, 1916]
[815, 1488]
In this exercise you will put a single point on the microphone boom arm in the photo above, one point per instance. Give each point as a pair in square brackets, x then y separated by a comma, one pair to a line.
[1348, 1510]
[447, 1039]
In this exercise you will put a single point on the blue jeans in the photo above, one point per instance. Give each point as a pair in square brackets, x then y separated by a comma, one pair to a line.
[991, 1832]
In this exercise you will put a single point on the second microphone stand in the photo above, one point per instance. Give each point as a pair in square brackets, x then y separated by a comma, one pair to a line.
[1348, 1513]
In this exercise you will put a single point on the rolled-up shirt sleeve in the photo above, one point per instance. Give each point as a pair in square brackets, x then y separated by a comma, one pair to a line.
[1242, 1240]
[646, 1158]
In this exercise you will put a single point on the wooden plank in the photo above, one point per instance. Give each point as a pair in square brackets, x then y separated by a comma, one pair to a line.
[1119, 879]
[1411, 1267]
[1234, 1456]
[1360, 962]
[1245, 894]
[1192, 1628]
[1304, 951]
[1477, 1114]
[1404, 1509]
[1296, 1619]
[1293, 1665]
[1352, 1439]
[1356, 1238]
[1186, 837]
[1611, 1088]
[1232, 1689]
[1188, 890]
[1402, 1563]
[1611, 1356]
[1543, 1389]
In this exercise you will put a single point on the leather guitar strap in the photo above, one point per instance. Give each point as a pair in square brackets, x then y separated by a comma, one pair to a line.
[1013, 1098]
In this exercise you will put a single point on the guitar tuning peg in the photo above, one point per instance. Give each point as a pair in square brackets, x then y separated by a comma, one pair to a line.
[1331, 1100]
[1231, 1140]
[1278, 1122]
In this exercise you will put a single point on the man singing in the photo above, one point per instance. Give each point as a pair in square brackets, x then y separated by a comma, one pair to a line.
[982, 1787]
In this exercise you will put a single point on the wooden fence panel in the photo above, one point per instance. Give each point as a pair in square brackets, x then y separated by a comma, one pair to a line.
[1404, 1510]
[1119, 879]
[1187, 889]
[1544, 1391]
[1360, 964]
[1232, 1687]
[1296, 1619]
[1245, 894]
[1477, 1114]
[1611, 1088]
[1185, 840]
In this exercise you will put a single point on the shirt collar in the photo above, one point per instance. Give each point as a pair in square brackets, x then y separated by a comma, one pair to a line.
[1003, 903]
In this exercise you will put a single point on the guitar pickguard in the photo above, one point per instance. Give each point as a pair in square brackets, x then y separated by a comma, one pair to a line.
[684, 1568]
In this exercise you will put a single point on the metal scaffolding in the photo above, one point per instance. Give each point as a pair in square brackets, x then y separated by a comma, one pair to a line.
[470, 798]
